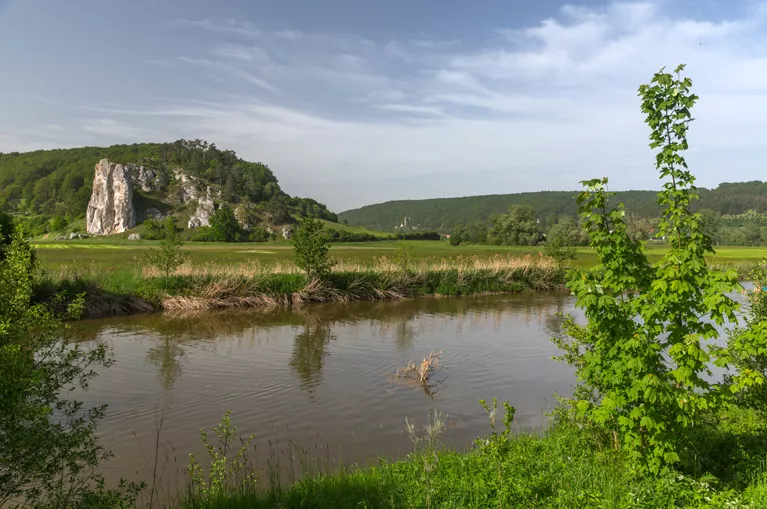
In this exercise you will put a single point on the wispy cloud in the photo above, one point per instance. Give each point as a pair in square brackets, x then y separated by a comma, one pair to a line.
[541, 106]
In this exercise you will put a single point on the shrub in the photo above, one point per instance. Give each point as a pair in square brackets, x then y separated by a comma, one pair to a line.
[169, 256]
[310, 248]
[48, 446]
[224, 225]
[258, 234]
[642, 359]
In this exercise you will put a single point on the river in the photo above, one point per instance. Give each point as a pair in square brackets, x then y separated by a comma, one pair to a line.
[316, 381]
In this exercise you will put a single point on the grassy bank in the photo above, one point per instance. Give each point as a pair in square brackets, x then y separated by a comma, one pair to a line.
[568, 466]
[198, 287]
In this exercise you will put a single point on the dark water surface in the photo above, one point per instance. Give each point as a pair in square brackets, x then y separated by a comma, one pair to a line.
[318, 378]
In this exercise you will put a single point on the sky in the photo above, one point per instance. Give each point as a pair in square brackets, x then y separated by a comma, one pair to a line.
[356, 102]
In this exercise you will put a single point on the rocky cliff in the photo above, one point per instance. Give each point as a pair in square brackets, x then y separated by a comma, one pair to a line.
[205, 209]
[110, 209]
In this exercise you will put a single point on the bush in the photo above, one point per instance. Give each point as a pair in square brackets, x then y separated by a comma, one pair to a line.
[644, 355]
[204, 234]
[48, 446]
[258, 234]
[429, 235]
[224, 226]
[310, 248]
[58, 223]
[169, 256]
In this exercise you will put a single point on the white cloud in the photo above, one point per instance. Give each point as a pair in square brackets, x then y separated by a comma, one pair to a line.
[540, 107]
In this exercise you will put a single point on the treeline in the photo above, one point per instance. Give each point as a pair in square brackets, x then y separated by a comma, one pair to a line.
[225, 227]
[521, 227]
[444, 214]
[59, 182]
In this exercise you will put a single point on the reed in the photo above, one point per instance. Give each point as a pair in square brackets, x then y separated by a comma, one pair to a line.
[197, 287]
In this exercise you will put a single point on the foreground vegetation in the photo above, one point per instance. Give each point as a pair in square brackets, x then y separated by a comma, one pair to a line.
[567, 466]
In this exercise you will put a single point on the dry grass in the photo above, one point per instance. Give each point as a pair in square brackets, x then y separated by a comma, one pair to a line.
[498, 263]
[196, 287]
[420, 373]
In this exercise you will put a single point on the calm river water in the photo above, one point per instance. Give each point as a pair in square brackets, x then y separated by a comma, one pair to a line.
[317, 379]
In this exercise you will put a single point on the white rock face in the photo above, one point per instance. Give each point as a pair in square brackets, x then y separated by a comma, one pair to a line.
[146, 178]
[188, 188]
[134, 236]
[110, 209]
[205, 209]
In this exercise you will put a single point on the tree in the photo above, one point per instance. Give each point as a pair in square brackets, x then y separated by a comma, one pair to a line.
[643, 358]
[48, 445]
[169, 256]
[310, 248]
[224, 225]
[277, 211]
[517, 228]
[568, 232]
[558, 248]
[58, 223]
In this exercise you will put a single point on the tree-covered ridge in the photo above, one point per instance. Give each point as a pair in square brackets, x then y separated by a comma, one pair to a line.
[444, 213]
[58, 182]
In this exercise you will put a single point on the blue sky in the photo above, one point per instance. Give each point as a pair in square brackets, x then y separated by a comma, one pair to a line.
[355, 102]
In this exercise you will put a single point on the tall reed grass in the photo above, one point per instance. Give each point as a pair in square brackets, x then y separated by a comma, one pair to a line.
[252, 284]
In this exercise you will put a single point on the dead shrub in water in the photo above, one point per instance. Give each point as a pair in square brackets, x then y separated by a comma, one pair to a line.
[420, 375]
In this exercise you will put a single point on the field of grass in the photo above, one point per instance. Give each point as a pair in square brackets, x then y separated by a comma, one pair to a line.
[110, 254]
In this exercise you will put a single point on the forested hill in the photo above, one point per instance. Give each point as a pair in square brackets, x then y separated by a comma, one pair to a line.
[58, 182]
[444, 213]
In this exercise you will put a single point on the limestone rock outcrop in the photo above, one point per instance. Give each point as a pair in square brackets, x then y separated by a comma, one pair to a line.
[110, 209]
[205, 209]
[145, 178]
[187, 188]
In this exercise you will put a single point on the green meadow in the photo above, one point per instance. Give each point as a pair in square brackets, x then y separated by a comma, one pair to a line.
[109, 254]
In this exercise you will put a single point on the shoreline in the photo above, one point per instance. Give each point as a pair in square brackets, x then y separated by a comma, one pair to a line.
[196, 288]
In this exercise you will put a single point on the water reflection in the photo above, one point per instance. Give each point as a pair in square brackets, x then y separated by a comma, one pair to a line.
[313, 326]
[310, 348]
[166, 356]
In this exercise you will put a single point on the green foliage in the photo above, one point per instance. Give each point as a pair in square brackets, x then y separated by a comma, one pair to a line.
[59, 182]
[564, 467]
[58, 223]
[562, 238]
[473, 233]
[48, 446]
[557, 248]
[643, 358]
[404, 257]
[748, 347]
[517, 228]
[225, 474]
[168, 257]
[310, 248]
[224, 226]
[259, 234]
[741, 201]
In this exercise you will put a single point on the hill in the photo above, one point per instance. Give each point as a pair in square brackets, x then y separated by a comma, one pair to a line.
[48, 184]
[444, 213]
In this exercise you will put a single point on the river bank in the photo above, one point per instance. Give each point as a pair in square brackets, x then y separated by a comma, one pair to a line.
[206, 287]
[565, 466]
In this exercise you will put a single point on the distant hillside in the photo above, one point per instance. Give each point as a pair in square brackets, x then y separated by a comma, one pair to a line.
[58, 182]
[444, 213]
